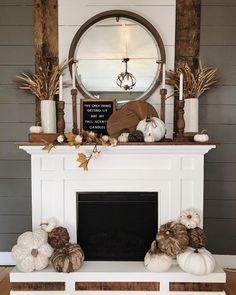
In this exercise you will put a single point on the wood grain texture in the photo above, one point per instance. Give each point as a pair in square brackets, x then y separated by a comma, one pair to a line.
[4, 280]
[38, 286]
[117, 286]
[45, 38]
[197, 287]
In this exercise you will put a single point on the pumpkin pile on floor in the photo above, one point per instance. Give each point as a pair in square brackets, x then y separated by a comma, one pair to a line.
[183, 240]
[34, 250]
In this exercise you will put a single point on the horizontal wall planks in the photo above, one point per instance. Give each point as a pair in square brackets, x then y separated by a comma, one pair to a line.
[220, 208]
[8, 241]
[10, 151]
[16, 35]
[15, 206]
[217, 114]
[16, 55]
[17, 15]
[218, 15]
[220, 190]
[222, 153]
[218, 35]
[21, 113]
[224, 94]
[11, 94]
[13, 224]
[15, 187]
[221, 133]
[9, 72]
[218, 3]
[16, 2]
[14, 132]
[220, 171]
[14, 169]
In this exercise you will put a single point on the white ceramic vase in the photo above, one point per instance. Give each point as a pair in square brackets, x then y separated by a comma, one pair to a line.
[191, 114]
[48, 116]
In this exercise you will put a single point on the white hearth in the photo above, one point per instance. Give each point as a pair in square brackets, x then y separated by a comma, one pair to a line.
[176, 172]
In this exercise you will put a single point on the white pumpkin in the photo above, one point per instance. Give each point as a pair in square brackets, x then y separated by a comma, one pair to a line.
[123, 137]
[197, 262]
[149, 138]
[156, 261]
[201, 137]
[152, 126]
[49, 225]
[190, 218]
[32, 251]
[35, 129]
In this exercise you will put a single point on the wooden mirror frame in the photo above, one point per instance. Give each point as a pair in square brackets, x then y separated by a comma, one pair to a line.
[125, 14]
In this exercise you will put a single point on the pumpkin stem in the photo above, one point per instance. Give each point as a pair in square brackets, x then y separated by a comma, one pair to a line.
[196, 251]
[34, 252]
[44, 223]
[204, 131]
[189, 216]
[148, 119]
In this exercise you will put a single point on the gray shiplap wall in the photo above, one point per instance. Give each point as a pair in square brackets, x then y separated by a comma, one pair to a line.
[218, 115]
[16, 115]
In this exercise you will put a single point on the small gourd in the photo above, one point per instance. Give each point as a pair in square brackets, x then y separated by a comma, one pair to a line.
[32, 251]
[153, 126]
[123, 137]
[149, 138]
[196, 261]
[156, 261]
[190, 218]
[35, 129]
[49, 224]
[201, 137]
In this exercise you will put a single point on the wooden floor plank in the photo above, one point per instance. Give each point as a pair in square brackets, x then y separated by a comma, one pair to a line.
[5, 280]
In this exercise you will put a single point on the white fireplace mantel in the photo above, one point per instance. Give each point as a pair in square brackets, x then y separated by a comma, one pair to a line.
[176, 172]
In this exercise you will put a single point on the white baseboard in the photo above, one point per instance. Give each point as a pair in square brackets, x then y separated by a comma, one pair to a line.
[225, 261]
[6, 259]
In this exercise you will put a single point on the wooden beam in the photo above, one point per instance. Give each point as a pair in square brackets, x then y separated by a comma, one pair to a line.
[187, 36]
[45, 37]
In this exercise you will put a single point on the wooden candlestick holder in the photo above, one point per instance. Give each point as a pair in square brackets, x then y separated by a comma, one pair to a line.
[60, 117]
[163, 93]
[180, 121]
[75, 129]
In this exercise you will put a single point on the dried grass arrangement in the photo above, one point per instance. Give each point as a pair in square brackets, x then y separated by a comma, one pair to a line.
[45, 84]
[196, 81]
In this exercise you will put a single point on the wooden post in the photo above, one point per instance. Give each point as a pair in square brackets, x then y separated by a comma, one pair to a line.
[187, 37]
[45, 38]
[75, 129]
[163, 93]
[60, 117]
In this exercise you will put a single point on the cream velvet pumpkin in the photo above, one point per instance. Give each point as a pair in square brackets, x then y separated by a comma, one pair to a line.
[32, 251]
[156, 261]
[152, 126]
[190, 218]
[197, 262]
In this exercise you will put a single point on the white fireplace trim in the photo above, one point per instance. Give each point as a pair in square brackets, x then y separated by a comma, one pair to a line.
[174, 171]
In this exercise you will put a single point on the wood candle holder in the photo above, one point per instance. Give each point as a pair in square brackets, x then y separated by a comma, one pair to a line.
[180, 122]
[60, 117]
[163, 93]
[75, 129]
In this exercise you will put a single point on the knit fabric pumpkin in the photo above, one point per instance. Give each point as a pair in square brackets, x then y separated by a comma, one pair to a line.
[136, 136]
[197, 238]
[172, 238]
[58, 237]
[68, 258]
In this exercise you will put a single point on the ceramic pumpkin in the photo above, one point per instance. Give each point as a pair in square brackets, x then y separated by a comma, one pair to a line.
[201, 137]
[197, 262]
[156, 261]
[190, 218]
[152, 126]
[32, 251]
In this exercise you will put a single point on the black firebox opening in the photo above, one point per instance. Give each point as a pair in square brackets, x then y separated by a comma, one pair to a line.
[116, 225]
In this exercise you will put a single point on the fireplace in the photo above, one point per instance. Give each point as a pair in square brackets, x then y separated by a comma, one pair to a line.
[116, 225]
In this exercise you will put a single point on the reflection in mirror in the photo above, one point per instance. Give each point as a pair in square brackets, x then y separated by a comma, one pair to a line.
[101, 51]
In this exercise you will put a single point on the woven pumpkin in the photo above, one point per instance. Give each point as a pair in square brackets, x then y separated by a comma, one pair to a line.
[58, 237]
[197, 238]
[136, 136]
[172, 238]
[68, 258]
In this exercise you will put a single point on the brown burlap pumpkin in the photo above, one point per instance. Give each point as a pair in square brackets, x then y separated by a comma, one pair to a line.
[197, 238]
[136, 136]
[58, 237]
[68, 258]
[172, 238]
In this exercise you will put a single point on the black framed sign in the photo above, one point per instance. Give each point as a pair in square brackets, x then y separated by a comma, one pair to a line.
[94, 114]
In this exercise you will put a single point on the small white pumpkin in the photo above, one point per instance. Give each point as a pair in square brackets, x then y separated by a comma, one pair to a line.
[156, 261]
[190, 218]
[123, 137]
[197, 262]
[32, 251]
[201, 137]
[36, 129]
[149, 138]
[49, 225]
[153, 126]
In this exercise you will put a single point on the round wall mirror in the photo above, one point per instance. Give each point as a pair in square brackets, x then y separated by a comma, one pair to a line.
[118, 55]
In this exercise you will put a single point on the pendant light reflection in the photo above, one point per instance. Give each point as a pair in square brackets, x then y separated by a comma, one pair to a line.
[126, 80]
